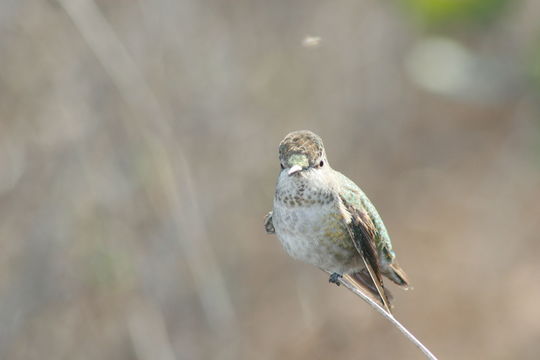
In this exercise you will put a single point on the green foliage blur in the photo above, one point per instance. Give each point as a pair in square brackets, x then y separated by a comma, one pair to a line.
[455, 14]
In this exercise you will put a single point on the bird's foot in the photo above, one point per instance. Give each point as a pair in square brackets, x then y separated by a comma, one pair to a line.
[334, 278]
[268, 224]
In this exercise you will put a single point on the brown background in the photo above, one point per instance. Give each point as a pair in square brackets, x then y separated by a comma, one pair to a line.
[138, 156]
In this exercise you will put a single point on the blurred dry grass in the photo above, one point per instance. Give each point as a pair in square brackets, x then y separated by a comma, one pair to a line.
[138, 157]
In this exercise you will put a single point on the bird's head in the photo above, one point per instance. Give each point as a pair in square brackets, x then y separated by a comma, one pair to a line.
[300, 151]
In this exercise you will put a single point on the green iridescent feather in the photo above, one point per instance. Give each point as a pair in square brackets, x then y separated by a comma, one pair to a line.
[355, 197]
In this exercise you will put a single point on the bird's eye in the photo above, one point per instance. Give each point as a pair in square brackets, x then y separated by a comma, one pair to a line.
[282, 167]
[321, 163]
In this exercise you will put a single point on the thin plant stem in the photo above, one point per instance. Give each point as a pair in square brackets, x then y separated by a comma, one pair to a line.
[345, 282]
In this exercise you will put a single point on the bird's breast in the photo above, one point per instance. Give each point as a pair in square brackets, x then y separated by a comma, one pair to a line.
[311, 228]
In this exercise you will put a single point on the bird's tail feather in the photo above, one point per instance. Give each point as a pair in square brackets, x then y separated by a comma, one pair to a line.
[398, 276]
[364, 282]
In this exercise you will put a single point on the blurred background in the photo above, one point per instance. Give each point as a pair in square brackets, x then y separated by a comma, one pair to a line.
[138, 157]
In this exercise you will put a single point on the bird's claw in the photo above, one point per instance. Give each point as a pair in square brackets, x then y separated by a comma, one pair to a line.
[334, 278]
[268, 224]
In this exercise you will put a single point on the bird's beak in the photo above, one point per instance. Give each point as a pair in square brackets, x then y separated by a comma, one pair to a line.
[294, 169]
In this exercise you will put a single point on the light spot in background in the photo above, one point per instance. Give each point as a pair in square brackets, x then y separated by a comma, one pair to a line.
[444, 66]
[440, 65]
[311, 41]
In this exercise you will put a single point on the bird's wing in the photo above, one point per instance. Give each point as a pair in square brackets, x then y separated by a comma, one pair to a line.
[383, 244]
[363, 232]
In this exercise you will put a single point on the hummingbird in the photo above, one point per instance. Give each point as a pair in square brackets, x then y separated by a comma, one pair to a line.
[323, 218]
